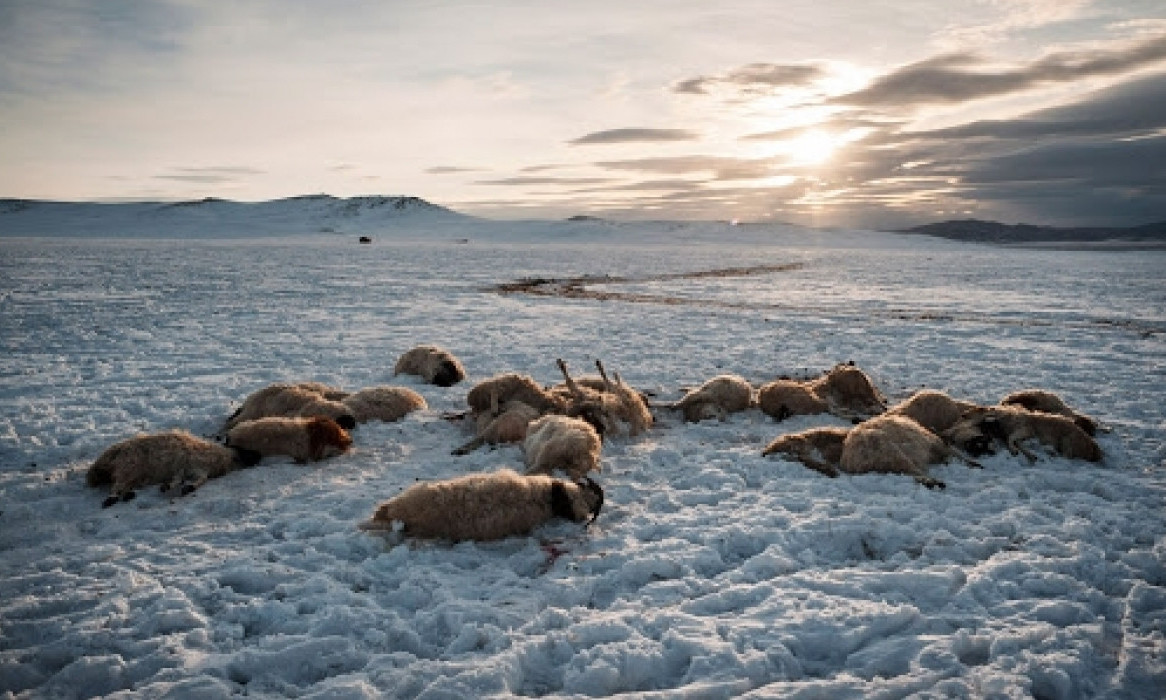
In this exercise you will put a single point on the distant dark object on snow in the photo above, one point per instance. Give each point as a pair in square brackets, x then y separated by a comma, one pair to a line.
[365, 239]
[980, 231]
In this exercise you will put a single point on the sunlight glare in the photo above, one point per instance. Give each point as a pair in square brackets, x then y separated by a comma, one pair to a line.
[812, 147]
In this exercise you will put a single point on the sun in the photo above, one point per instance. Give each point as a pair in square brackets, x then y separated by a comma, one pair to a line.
[811, 147]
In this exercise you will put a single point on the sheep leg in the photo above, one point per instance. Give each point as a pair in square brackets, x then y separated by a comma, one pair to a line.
[470, 446]
[571, 385]
[930, 481]
[607, 385]
[1015, 447]
[818, 465]
[959, 454]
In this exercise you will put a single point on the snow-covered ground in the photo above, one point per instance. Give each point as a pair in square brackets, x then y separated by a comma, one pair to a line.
[712, 571]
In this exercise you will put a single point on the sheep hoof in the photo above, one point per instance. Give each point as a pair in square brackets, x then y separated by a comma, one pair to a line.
[129, 495]
[186, 490]
[110, 501]
[931, 483]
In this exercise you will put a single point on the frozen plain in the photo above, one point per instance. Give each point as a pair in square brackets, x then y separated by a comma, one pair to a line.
[712, 571]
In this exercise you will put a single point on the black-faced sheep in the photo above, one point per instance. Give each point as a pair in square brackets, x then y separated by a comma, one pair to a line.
[486, 506]
[1041, 401]
[845, 391]
[303, 399]
[564, 443]
[434, 364]
[384, 403]
[1012, 425]
[508, 387]
[302, 439]
[716, 398]
[932, 409]
[818, 448]
[895, 445]
[177, 460]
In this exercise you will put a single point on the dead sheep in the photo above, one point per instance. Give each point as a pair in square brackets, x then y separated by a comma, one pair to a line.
[505, 423]
[293, 400]
[818, 448]
[932, 409]
[845, 391]
[513, 387]
[895, 445]
[302, 439]
[613, 407]
[716, 398]
[1042, 401]
[384, 403]
[1013, 425]
[177, 460]
[434, 364]
[571, 445]
[486, 506]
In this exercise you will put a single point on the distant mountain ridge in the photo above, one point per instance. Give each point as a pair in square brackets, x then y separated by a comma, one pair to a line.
[977, 230]
[213, 217]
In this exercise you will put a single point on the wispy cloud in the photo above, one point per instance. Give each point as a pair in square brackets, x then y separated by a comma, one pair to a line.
[960, 77]
[634, 135]
[720, 167]
[534, 180]
[210, 175]
[450, 170]
[754, 77]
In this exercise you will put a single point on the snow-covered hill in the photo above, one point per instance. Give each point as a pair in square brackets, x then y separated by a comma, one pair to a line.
[218, 218]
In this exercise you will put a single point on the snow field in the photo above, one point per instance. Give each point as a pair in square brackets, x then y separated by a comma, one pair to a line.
[712, 572]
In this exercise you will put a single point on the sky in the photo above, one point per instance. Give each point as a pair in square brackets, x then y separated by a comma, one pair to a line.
[843, 113]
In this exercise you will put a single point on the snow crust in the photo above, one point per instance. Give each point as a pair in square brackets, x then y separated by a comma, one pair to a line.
[712, 572]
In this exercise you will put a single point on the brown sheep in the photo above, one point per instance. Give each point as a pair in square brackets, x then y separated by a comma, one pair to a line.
[486, 506]
[818, 448]
[177, 460]
[845, 391]
[1041, 401]
[607, 405]
[1012, 425]
[895, 445]
[501, 424]
[302, 439]
[932, 409]
[512, 387]
[304, 399]
[384, 403]
[562, 442]
[716, 398]
[434, 364]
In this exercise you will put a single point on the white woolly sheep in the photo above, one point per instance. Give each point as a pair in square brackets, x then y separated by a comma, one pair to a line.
[501, 424]
[562, 442]
[304, 399]
[716, 398]
[844, 391]
[608, 405]
[895, 445]
[177, 460]
[818, 448]
[486, 506]
[1012, 425]
[932, 409]
[384, 403]
[302, 439]
[434, 364]
[512, 387]
[1041, 401]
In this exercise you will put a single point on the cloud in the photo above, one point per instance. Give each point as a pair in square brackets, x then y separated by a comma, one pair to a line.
[963, 76]
[533, 180]
[722, 168]
[754, 77]
[634, 135]
[210, 175]
[450, 170]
